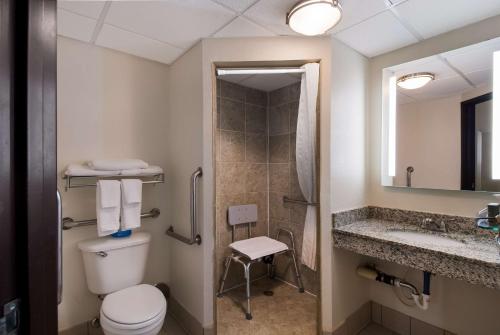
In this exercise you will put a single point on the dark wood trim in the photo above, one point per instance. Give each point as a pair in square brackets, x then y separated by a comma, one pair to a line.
[9, 277]
[468, 138]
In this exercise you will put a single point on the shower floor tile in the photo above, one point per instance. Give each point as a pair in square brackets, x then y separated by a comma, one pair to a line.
[286, 312]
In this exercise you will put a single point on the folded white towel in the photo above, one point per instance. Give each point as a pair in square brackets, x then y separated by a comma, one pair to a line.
[117, 164]
[131, 203]
[83, 171]
[151, 170]
[108, 206]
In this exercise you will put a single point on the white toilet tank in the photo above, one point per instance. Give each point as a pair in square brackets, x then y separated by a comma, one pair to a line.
[112, 264]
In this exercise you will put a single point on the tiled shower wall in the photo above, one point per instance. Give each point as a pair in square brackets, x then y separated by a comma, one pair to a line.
[241, 171]
[255, 155]
[283, 181]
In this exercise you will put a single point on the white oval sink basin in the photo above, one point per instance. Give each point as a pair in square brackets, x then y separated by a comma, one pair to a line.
[418, 237]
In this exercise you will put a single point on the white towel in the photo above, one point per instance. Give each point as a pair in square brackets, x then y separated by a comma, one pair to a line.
[117, 164]
[131, 203]
[108, 206]
[83, 170]
[151, 170]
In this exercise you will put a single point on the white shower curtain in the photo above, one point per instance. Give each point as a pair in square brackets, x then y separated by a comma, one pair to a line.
[306, 157]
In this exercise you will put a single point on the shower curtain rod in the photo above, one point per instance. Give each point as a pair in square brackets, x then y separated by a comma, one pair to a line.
[259, 70]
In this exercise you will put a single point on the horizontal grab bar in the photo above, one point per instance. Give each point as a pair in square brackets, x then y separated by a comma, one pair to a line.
[69, 223]
[195, 237]
[300, 202]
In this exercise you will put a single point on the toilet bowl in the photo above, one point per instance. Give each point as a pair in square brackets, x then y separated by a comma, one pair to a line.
[136, 310]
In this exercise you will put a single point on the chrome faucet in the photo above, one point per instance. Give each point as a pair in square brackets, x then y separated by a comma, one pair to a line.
[430, 224]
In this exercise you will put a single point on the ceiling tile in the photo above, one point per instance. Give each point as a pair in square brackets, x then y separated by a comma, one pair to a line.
[431, 17]
[475, 57]
[90, 9]
[272, 15]
[177, 22]
[74, 25]
[377, 35]
[242, 27]
[355, 11]
[237, 5]
[122, 40]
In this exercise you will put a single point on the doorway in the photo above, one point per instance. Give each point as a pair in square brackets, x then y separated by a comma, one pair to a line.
[255, 129]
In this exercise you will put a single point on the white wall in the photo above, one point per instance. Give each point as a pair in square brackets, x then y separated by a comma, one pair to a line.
[349, 88]
[110, 105]
[278, 49]
[458, 307]
[184, 146]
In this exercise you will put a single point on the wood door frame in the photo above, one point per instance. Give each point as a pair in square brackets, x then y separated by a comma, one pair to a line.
[34, 159]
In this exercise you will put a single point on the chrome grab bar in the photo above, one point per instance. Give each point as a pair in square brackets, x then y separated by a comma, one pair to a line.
[68, 223]
[300, 202]
[195, 237]
[59, 248]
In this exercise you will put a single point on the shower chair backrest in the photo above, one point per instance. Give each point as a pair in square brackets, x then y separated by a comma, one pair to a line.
[242, 214]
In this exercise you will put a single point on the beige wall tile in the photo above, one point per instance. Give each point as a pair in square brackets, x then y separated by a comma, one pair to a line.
[359, 319]
[395, 321]
[232, 115]
[277, 209]
[376, 313]
[256, 177]
[232, 91]
[279, 177]
[256, 148]
[232, 146]
[256, 119]
[294, 113]
[256, 97]
[230, 178]
[279, 120]
[293, 140]
[421, 328]
[279, 147]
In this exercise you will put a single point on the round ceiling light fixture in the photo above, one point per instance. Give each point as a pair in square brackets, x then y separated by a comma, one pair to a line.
[314, 17]
[415, 80]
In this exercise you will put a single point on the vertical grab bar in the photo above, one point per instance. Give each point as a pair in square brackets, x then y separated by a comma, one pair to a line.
[195, 237]
[59, 248]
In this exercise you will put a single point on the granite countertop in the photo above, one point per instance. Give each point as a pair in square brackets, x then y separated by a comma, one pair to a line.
[475, 258]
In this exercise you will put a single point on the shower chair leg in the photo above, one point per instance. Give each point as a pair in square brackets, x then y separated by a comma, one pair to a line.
[227, 263]
[248, 313]
[297, 272]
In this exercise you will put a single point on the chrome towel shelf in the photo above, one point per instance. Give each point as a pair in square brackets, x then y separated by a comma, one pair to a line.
[300, 202]
[91, 181]
[68, 223]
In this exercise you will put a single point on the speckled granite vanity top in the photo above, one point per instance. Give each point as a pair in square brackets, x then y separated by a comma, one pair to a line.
[464, 253]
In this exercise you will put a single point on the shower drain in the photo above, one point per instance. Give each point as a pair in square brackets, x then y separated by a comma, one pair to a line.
[269, 293]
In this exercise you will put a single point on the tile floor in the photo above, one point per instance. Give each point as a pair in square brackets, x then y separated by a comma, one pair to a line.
[375, 329]
[286, 312]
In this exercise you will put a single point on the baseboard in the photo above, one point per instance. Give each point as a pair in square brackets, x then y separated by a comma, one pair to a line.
[187, 321]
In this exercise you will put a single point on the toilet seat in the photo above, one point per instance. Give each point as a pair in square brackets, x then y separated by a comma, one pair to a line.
[138, 309]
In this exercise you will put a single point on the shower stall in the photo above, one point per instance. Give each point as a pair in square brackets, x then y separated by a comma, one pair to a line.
[265, 154]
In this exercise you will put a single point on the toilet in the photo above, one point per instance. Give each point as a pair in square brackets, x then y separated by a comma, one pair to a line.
[114, 267]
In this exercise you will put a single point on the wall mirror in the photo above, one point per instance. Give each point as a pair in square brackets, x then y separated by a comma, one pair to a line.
[441, 121]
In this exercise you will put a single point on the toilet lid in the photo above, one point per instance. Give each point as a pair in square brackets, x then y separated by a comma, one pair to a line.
[136, 304]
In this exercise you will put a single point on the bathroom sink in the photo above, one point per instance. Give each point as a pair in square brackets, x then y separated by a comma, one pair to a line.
[421, 237]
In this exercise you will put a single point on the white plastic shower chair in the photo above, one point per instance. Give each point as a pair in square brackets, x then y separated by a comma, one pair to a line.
[255, 249]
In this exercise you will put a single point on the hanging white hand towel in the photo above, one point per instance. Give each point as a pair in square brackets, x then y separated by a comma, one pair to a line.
[131, 203]
[306, 158]
[108, 206]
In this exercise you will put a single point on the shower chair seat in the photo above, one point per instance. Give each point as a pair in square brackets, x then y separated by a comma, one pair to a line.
[255, 249]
